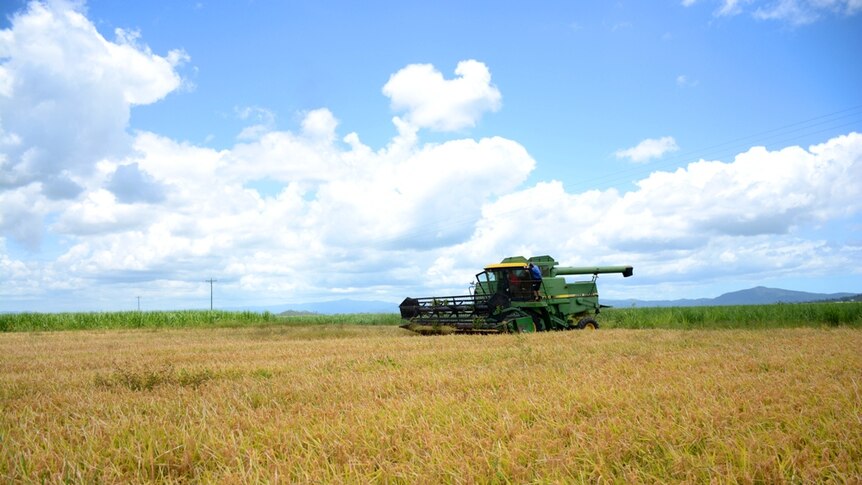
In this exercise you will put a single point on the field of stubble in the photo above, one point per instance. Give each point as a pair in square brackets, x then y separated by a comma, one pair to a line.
[376, 404]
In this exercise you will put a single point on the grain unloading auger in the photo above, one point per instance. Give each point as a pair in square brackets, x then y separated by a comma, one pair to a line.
[506, 298]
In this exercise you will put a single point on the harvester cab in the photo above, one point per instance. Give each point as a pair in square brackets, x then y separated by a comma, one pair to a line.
[507, 297]
[512, 279]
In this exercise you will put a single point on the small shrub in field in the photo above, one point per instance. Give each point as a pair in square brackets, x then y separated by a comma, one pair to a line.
[143, 377]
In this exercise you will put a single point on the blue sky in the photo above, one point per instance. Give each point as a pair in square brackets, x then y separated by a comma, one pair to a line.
[305, 151]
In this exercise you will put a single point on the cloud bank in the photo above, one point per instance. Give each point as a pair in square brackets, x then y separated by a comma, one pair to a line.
[65, 98]
[138, 213]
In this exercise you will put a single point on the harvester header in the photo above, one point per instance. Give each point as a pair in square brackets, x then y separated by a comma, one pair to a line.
[514, 295]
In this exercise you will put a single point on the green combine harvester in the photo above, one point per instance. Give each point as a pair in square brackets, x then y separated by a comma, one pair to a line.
[507, 298]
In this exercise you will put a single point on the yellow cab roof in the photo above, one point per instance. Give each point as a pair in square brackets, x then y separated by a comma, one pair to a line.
[506, 265]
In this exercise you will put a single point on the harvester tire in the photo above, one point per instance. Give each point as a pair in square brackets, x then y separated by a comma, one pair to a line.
[588, 324]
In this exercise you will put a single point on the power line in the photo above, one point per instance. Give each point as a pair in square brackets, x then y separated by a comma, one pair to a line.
[211, 281]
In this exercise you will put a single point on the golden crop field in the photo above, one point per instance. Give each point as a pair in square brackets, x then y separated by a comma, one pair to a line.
[351, 404]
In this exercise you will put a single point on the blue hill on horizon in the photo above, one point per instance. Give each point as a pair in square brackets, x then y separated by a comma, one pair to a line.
[759, 295]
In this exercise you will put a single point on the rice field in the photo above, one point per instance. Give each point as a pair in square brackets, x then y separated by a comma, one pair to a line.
[370, 404]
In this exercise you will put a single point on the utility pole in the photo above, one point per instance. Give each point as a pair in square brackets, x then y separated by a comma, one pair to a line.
[139, 303]
[211, 281]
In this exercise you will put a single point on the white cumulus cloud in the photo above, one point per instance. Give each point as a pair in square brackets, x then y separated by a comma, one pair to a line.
[431, 101]
[65, 98]
[57, 66]
[649, 149]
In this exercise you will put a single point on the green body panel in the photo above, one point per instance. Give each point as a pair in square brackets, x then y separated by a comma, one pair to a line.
[522, 325]
[504, 299]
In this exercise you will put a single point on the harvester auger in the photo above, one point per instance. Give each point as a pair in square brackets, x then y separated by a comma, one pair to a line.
[506, 298]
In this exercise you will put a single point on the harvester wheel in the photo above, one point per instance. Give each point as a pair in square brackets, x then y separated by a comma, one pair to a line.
[588, 324]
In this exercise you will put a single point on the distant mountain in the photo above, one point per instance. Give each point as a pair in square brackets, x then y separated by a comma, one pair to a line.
[759, 295]
[762, 296]
[296, 313]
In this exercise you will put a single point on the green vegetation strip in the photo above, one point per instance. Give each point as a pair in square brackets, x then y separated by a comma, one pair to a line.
[21, 322]
[28, 322]
[797, 315]
[816, 315]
